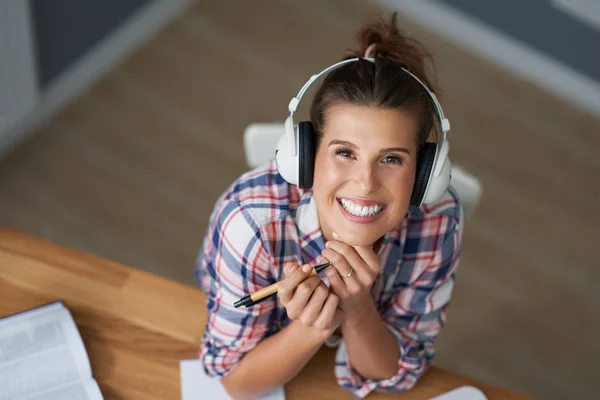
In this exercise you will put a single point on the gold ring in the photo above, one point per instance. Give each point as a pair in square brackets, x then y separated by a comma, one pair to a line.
[348, 274]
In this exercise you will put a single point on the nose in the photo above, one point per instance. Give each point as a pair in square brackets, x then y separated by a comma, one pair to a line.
[367, 178]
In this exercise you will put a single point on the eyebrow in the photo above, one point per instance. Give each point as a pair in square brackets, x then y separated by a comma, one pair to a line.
[353, 146]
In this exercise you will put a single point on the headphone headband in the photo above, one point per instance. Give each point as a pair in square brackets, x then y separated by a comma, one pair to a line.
[293, 105]
[296, 151]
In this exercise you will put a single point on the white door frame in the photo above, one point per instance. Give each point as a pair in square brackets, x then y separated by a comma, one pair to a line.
[18, 82]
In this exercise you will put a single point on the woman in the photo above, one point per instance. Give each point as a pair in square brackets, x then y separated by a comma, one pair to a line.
[385, 297]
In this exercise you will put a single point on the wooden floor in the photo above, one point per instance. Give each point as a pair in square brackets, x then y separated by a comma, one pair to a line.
[131, 169]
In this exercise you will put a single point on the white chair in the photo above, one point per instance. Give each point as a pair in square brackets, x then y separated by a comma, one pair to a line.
[260, 141]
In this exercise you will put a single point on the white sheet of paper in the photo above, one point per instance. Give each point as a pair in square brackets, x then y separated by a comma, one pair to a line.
[196, 385]
[462, 393]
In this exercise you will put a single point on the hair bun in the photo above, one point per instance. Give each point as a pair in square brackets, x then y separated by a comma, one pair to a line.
[383, 39]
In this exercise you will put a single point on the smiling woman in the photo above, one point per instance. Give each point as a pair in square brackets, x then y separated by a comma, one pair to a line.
[368, 158]
[357, 186]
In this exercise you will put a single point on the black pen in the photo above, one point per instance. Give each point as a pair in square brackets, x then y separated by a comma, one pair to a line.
[271, 290]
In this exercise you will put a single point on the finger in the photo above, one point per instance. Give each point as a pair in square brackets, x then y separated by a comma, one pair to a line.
[289, 268]
[295, 277]
[369, 257]
[288, 285]
[342, 267]
[349, 254]
[315, 304]
[328, 312]
[363, 271]
[303, 293]
[367, 253]
[338, 317]
[336, 283]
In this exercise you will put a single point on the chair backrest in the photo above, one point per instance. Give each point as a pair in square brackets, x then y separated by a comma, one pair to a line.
[260, 141]
[468, 188]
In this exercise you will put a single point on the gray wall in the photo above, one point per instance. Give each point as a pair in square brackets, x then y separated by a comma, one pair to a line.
[545, 27]
[65, 29]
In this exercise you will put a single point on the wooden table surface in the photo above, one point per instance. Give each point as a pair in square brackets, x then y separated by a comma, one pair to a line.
[137, 326]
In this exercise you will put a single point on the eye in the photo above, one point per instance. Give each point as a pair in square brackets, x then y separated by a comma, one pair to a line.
[393, 160]
[345, 153]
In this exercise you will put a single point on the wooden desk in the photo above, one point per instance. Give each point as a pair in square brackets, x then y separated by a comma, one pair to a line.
[137, 326]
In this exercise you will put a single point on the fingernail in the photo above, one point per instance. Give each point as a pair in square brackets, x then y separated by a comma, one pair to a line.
[306, 268]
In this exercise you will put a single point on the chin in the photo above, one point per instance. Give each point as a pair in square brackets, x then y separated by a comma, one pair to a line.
[357, 239]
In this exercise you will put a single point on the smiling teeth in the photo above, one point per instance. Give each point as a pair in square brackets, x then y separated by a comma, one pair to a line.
[360, 211]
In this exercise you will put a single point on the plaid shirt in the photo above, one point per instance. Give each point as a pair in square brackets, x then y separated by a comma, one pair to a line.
[261, 222]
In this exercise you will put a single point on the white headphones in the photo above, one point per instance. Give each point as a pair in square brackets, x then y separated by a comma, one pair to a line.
[295, 153]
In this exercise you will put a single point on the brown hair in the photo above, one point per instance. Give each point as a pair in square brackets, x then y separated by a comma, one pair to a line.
[383, 83]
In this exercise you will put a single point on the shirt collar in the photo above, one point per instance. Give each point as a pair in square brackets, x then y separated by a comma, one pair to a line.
[310, 236]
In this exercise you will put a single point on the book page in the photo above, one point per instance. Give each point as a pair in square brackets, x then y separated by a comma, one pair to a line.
[195, 384]
[40, 349]
[88, 390]
[462, 393]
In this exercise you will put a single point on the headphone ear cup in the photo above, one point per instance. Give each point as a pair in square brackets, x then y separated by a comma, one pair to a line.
[287, 164]
[306, 153]
[437, 185]
[425, 160]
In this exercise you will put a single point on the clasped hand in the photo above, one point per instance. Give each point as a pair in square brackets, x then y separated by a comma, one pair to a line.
[310, 301]
[355, 270]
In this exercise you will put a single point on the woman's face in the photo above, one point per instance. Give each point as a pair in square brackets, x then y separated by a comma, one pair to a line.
[364, 172]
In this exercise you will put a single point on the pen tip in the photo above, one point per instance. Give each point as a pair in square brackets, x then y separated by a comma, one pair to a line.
[242, 302]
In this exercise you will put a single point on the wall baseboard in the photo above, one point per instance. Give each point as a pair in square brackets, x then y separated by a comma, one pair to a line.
[131, 34]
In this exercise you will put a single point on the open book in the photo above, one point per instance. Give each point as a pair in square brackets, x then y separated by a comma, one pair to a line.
[42, 356]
